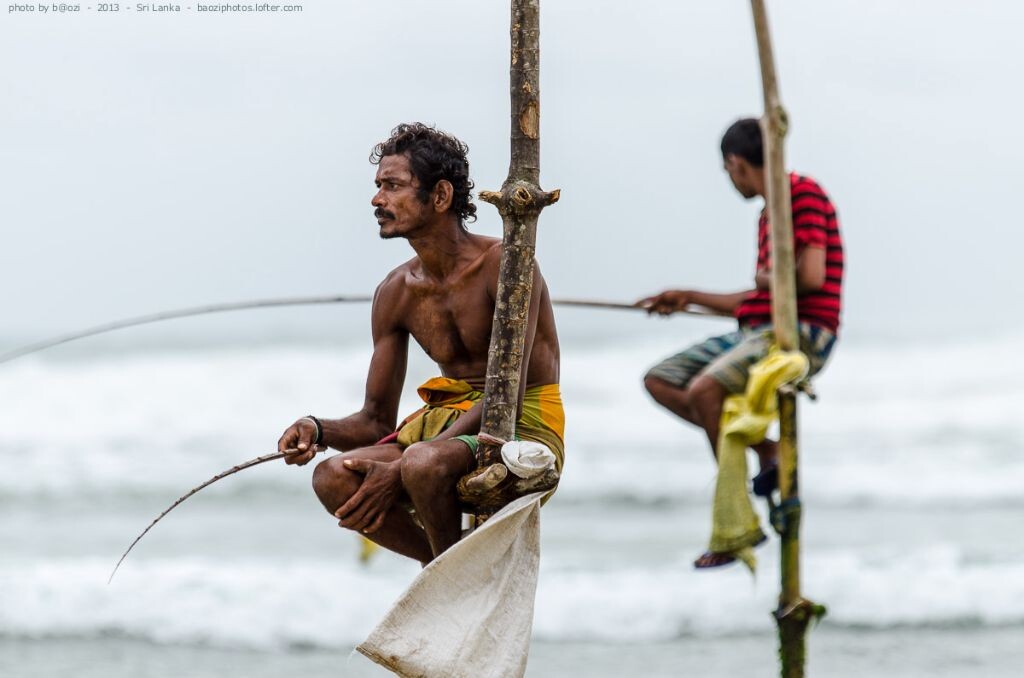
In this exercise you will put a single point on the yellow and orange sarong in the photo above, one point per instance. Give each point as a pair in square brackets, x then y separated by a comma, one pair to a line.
[445, 400]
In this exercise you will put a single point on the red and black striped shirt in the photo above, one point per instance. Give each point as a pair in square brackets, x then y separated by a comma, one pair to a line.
[814, 225]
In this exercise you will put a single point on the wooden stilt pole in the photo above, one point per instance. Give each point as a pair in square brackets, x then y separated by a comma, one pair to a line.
[794, 612]
[519, 202]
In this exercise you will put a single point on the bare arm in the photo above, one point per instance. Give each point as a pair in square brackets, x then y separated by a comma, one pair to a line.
[381, 484]
[379, 413]
[810, 271]
[763, 279]
[673, 301]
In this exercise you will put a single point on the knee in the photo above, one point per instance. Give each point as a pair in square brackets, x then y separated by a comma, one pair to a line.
[663, 391]
[653, 385]
[421, 468]
[430, 467]
[333, 483]
[706, 392]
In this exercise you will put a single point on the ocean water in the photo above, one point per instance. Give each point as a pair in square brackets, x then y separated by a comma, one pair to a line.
[912, 475]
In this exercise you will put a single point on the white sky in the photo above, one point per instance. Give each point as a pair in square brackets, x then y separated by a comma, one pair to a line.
[156, 161]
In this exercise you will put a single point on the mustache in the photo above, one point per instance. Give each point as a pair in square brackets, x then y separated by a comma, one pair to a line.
[382, 214]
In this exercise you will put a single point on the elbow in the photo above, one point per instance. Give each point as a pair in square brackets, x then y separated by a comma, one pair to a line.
[378, 424]
[383, 431]
[383, 427]
[810, 283]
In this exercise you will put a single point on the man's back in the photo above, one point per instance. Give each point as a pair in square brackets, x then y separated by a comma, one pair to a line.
[815, 225]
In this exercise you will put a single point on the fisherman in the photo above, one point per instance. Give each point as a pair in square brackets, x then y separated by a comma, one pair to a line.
[693, 384]
[397, 484]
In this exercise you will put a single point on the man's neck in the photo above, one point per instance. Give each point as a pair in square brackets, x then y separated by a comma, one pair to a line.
[438, 247]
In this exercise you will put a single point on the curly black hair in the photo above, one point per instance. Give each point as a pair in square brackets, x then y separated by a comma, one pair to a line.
[433, 155]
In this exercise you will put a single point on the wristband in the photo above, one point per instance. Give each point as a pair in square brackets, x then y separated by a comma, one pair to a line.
[319, 428]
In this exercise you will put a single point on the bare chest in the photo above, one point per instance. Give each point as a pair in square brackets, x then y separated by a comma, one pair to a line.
[452, 325]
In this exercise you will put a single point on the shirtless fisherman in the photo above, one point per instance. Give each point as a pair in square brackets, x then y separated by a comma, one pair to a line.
[444, 298]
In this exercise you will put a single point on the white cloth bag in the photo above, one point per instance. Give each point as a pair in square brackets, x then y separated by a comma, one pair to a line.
[469, 613]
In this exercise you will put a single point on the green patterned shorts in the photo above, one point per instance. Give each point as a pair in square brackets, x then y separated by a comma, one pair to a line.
[728, 358]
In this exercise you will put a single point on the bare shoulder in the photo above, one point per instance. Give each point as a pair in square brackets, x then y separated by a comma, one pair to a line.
[492, 265]
[492, 251]
[390, 296]
[393, 283]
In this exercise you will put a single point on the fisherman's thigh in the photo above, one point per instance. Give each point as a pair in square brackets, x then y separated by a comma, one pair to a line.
[731, 369]
[680, 369]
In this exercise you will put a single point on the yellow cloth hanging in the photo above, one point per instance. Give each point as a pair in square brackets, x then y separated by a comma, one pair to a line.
[745, 420]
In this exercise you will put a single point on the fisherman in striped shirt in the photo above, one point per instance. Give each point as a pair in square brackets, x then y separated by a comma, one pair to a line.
[694, 384]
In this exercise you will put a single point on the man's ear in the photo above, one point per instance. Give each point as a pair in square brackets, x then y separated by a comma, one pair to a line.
[442, 196]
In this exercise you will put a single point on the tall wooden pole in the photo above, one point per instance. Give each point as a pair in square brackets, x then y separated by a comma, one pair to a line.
[794, 612]
[519, 202]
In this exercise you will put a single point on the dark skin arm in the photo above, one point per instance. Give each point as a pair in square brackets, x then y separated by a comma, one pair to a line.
[673, 301]
[810, 276]
[810, 271]
[379, 413]
[382, 483]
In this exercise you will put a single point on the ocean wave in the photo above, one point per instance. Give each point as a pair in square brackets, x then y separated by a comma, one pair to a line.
[597, 479]
[895, 425]
[322, 604]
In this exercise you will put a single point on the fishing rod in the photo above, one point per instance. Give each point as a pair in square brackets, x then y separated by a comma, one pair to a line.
[691, 309]
[35, 347]
[172, 315]
[231, 471]
[266, 303]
